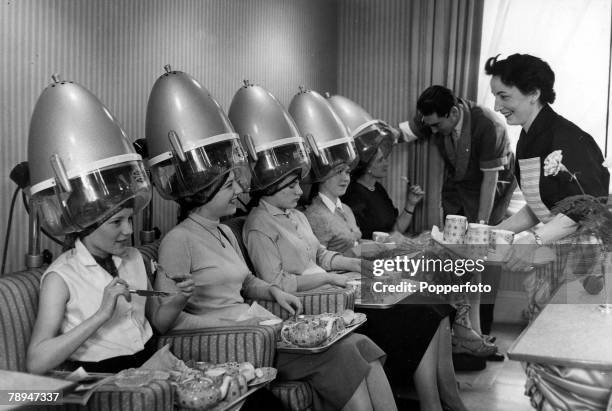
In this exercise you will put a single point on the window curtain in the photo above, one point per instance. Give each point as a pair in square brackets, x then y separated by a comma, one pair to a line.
[573, 37]
[389, 52]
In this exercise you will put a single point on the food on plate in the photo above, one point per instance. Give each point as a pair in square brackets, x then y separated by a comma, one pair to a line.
[206, 386]
[310, 331]
[348, 316]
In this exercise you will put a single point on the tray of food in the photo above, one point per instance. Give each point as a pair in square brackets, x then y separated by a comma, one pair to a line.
[220, 387]
[312, 334]
[204, 386]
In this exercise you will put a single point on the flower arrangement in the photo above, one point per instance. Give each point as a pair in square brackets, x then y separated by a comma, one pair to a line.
[595, 218]
[593, 212]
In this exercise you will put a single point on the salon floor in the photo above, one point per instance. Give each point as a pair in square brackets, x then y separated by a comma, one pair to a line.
[500, 387]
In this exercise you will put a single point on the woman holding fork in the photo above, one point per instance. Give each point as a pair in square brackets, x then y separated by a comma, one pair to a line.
[86, 313]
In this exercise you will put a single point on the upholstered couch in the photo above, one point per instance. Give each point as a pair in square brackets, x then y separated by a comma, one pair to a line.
[18, 308]
[295, 395]
[19, 304]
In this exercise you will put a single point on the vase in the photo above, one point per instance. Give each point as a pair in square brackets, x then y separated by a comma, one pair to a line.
[606, 270]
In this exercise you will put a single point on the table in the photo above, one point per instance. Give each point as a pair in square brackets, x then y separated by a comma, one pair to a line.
[20, 381]
[573, 335]
[568, 351]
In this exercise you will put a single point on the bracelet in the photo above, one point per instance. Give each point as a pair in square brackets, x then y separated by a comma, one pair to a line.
[408, 211]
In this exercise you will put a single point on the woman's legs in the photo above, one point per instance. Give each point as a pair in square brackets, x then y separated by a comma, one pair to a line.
[374, 393]
[360, 401]
[379, 389]
[475, 305]
[426, 377]
[447, 382]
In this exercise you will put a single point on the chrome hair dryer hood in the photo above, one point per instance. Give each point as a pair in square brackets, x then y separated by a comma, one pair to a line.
[191, 142]
[270, 135]
[82, 166]
[369, 134]
[329, 140]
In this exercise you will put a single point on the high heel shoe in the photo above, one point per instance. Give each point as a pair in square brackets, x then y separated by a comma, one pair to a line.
[477, 348]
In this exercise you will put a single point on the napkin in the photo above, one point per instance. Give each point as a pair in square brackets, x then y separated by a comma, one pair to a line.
[256, 311]
[164, 360]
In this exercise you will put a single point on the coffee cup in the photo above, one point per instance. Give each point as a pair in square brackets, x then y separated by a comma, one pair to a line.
[356, 285]
[454, 229]
[478, 239]
[500, 241]
[379, 236]
[275, 323]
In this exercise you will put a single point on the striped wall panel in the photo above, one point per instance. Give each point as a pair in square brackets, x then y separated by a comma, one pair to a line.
[117, 49]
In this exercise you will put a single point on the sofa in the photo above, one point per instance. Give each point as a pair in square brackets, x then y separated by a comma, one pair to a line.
[19, 302]
[295, 395]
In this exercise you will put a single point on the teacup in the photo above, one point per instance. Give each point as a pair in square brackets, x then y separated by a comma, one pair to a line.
[380, 236]
[478, 238]
[275, 323]
[499, 242]
[355, 284]
[199, 394]
[504, 237]
[455, 227]
[307, 334]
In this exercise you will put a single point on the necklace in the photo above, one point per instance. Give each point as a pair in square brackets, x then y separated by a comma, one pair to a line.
[371, 188]
[211, 233]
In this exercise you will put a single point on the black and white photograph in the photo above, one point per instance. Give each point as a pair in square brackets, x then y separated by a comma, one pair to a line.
[306, 205]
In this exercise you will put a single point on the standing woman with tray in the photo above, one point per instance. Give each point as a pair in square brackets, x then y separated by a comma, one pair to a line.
[523, 88]
[415, 336]
[349, 374]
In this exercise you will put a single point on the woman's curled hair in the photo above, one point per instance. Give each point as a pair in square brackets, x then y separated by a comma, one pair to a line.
[525, 72]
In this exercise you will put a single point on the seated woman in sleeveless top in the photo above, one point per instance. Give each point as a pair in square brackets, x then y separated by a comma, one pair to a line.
[86, 313]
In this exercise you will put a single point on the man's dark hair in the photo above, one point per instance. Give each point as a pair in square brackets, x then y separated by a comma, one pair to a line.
[436, 99]
[525, 72]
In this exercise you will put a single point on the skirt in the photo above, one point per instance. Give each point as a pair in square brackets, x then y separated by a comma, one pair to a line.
[404, 332]
[335, 374]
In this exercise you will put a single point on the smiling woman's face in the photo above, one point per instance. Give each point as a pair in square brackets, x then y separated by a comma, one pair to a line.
[112, 237]
[337, 184]
[518, 108]
[224, 202]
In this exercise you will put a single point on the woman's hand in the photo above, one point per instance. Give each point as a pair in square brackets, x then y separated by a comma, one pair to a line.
[185, 285]
[337, 279]
[522, 252]
[414, 195]
[115, 289]
[287, 301]
[367, 268]
[340, 244]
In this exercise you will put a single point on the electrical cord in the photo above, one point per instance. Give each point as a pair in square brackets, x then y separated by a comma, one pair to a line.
[8, 229]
